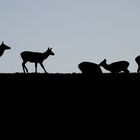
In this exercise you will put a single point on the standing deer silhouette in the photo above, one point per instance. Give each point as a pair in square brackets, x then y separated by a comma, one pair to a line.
[90, 68]
[35, 57]
[137, 59]
[3, 47]
[116, 67]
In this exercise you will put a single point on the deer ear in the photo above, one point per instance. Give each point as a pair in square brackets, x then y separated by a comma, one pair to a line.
[2, 42]
[50, 48]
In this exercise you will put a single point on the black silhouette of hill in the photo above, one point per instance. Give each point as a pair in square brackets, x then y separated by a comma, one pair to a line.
[75, 84]
[69, 77]
[71, 89]
[70, 82]
[70, 100]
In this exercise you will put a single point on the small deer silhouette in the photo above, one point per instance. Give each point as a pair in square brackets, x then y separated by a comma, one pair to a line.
[137, 59]
[116, 67]
[3, 47]
[35, 57]
[90, 68]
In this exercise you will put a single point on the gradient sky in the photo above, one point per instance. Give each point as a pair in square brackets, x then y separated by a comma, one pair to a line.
[78, 30]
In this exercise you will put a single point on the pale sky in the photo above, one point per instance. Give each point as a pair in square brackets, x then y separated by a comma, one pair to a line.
[78, 30]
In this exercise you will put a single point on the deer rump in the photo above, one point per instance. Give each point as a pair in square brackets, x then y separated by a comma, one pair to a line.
[90, 68]
[119, 66]
[137, 59]
[34, 57]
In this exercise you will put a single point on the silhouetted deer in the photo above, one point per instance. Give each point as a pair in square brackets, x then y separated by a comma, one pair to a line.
[35, 57]
[137, 59]
[90, 68]
[3, 47]
[116, 67]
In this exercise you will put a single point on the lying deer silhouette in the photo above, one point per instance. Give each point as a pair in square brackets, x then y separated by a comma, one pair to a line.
[3, 47]
[137, 59]
[90, 68]
[116, 67]
[35, 57]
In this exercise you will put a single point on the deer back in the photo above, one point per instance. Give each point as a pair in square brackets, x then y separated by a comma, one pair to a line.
[90, 68]
[137, 59]
[32, 56]
[118, 66]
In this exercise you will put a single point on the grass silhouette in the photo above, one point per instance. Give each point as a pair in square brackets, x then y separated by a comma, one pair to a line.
[69, 76]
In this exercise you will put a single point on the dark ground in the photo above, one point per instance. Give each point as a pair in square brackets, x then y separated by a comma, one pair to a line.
[72, 83]
[115, 88]
[105, 106]
[69, 76]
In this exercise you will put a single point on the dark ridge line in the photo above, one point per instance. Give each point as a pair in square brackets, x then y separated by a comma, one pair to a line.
[32, 73]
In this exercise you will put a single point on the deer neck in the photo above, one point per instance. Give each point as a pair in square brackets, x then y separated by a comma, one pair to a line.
[1, 52]
[45, 55]
[106, 66]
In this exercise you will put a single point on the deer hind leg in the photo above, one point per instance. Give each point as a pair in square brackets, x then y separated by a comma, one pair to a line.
[126, 71]
[138, 70]
[35, 67]
[43, 67]
[25, 70]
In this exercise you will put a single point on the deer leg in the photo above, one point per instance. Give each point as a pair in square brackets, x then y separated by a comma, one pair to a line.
[25, 70]
[126, 71]
[138, 71]
[35, 67]
[43, 67]
[23, 67]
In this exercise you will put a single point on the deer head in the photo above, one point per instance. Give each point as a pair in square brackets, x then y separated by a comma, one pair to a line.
[49, 51]
[103, 62]
[4, 47]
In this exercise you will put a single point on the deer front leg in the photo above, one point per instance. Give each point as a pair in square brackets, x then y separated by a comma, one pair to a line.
[35, 67]
[25, 70]
[138, 71]
[43, 67]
